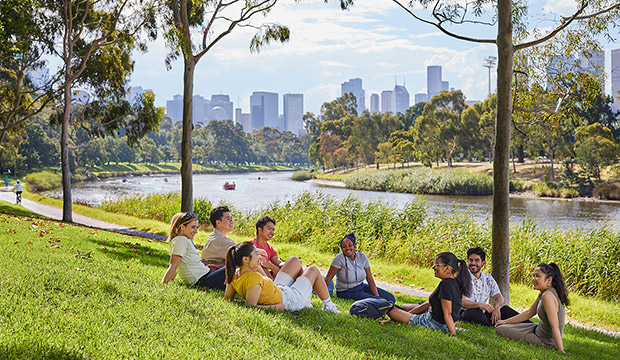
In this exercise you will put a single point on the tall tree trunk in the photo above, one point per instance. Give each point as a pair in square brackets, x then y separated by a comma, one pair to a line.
[187, 204]
[64, 156]
[501, 161]
[520, 155]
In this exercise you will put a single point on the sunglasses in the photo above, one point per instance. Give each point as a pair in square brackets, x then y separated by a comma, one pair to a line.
[188, 216]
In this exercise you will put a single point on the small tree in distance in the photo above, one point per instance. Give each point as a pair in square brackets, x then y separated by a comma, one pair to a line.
[210, 21]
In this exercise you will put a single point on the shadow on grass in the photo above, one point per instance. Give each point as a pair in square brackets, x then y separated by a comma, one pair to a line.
[36, 351]
[475, 342]
[132, 249]
[18, 210]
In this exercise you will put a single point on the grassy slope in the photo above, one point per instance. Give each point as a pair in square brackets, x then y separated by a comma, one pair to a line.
[109, 304]
[582, 309]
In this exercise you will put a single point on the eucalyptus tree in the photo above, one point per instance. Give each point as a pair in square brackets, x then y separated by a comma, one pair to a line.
[194, 27]
[22, 96]
[515, 31]
[93, 41]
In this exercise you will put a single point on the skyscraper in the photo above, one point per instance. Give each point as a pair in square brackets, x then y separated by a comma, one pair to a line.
[375, 103]
[421, 97]
[559, 65]
[387, 103]
[293, 109]
[400, 98]
[245, 119]
[445, 85]
[615, 77]
[174, 108]
[355, 86]
[221, 108]
[264, 110]
[198, 109]
[433, 80]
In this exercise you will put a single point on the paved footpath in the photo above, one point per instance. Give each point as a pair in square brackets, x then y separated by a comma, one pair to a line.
[55, 213]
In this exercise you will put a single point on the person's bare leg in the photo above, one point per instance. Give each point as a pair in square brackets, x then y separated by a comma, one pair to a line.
[409, 307]
[316, 279]
[293, 267]
[399, 315]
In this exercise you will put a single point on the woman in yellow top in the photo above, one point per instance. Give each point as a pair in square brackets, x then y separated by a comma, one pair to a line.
[290, 290]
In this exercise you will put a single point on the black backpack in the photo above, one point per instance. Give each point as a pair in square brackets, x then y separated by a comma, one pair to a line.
[372, 308]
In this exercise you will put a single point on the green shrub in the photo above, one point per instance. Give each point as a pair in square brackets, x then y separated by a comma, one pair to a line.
[159, 207]
[607, 191]
[43, 181]
[423, 181]
[302, 175]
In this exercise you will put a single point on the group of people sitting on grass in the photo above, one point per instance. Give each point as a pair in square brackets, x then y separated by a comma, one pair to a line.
[254, 271]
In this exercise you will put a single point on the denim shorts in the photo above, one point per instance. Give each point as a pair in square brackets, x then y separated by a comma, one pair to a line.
[427, 321]
[295, 295]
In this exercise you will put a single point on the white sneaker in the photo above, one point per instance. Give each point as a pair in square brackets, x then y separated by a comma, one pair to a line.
[330, 308]
[308, 304]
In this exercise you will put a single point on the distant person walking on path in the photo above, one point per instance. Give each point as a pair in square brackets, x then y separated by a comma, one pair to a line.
[6, 181]
[549, 306]
[214, 250]
[291, 289]
[475, 307]
[351, 268]
[18, 192]
[185, 259]
[441, 310]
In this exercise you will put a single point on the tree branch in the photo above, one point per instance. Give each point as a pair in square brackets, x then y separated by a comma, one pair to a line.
[564, 23]
[442, 29]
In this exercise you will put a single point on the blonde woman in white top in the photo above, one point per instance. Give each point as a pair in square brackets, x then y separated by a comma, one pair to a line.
[185, 259]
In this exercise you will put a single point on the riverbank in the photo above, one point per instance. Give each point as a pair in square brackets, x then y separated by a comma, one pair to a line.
[527, 180]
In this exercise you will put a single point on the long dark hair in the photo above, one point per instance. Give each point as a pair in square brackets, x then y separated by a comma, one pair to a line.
[234, 258]
[463, 278]
[557, 280]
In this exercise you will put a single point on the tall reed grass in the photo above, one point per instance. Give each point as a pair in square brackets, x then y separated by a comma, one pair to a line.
[157, 206]
[587, 257]
[423, 181]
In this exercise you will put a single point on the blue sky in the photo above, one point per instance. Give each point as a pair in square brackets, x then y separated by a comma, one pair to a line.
[374, 41]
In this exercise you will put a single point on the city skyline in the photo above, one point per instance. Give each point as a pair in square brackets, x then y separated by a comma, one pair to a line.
[375, 41]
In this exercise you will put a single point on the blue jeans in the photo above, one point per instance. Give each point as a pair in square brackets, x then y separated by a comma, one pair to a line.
[213, 279]
[362, 291]
[427, 321]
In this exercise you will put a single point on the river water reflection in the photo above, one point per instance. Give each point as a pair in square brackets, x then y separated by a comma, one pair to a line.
[255, 190]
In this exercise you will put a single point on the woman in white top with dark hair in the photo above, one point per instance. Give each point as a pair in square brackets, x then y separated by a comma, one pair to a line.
[185, 259]
[351, 268]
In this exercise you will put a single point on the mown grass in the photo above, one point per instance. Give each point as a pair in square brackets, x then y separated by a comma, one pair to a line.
[69, 292]
[423, 181]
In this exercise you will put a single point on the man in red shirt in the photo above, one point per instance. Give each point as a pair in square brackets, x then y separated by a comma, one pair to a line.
[265, 228]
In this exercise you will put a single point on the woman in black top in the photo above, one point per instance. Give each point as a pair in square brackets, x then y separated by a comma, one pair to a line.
[442, 308]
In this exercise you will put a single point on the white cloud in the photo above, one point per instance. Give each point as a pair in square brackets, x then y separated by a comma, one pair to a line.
[560, 7]
[334, 63]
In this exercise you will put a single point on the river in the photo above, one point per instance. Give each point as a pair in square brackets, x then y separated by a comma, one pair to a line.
[255, 190]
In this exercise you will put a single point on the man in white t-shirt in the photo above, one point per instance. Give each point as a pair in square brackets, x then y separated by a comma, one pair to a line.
[475, 307]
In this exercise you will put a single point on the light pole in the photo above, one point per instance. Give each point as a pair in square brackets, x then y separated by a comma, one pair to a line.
[489, 62]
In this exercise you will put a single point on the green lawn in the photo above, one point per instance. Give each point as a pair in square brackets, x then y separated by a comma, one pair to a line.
[69, 292]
